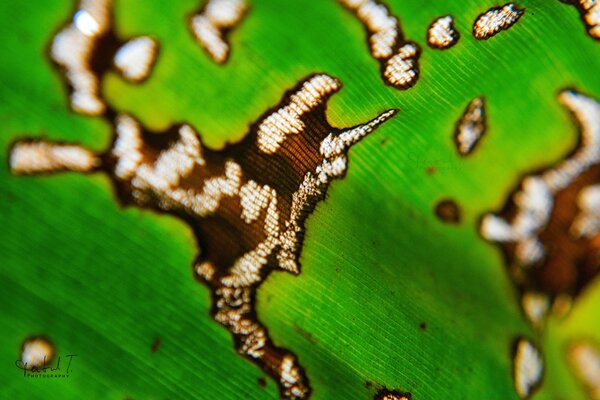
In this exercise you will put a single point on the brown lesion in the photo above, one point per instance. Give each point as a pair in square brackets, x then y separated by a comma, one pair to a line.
[236, 253]
[550, 258]
[448, 211]
[246, 204]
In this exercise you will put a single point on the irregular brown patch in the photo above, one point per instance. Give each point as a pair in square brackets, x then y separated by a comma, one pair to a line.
[550, 258]
[246, 204]
[448, 211]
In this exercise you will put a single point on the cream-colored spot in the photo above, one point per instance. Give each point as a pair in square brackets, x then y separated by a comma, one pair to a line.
[442, 34]
[209, 27]
[135, 58]
[206, 270]
[587, 222]
[536, 306]
[287, 120]
[383, 27]
[495, 20]
[528, 368]
[43, 157]
[36, 353]
[127, 147]
[585, 358]
[290, 376]
[471, 126]
[398, 58]
[401, 70]
[73, 50]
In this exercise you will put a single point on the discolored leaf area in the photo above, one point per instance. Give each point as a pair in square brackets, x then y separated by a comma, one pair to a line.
[390, 298]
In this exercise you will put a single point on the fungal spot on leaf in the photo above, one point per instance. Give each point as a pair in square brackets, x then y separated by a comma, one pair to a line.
[398, 58]
[448, 211]
[495, 20]
[471, 126]
[423, 326]
[442, 33]
[212, 24]
[87, 47]
[155, 345]
[590, 15]
[246, 204]
[262, 382]
[584, 357]
[549, 228]
[528, 368]
[36, 352]
[386, 394]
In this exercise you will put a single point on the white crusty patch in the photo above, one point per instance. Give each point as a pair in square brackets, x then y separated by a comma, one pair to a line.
[536, 306]
[290, 376]
[383, 27]
[401, 70]
[585, 358]
[254, 198]
[273, 130]
[471, 126]
[495, 20]
[337, 145]
[398, 58]
[73, 49]
[36, 353]
[441, 33]
[135, 58]
[587, 222]
[210, 25]
[528, 368]
[44, 157]
[127, 147]
[535, 200]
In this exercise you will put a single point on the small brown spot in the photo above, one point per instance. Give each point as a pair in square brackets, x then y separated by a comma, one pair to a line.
[368, 384]
[431, 170]
[155, 345]
[305, 334]
[423, 326]
[386, 394]
[383, 141]
[448, 211]
[262, 382]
